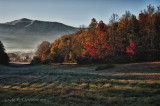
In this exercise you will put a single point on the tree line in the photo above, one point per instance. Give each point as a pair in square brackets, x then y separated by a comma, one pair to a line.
[124, 39]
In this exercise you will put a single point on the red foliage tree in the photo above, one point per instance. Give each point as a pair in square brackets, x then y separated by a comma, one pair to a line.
[100, 46]
[91, 50]
[130, 48]
[45, 54]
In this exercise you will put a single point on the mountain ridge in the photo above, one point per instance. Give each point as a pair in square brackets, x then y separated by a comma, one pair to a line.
[27, 34]
[31, 21]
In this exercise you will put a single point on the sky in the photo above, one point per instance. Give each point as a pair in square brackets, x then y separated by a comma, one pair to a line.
[70, 12]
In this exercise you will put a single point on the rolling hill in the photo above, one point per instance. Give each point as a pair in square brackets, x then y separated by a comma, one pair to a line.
[26, 34]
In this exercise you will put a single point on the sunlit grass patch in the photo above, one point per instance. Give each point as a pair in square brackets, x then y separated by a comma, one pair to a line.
[133, 81]
[107, 85]
[74, 84]
[31, 89]
[84, 84]
[123, 81]
[42, 84]
[50, 85]
[125, 87]
[113, 80]
[138, 74]
[25, 84]
[77, 93]
[128, 87]
[92, 90]
[153, 81]
[60, 86]
[16, 87]
[7, 86]
[92, 86]
[25, 88]
[35, 85]
[117, 87]
[100, 85]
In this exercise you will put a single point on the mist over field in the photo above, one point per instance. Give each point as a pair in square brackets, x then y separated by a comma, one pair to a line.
[24, 42]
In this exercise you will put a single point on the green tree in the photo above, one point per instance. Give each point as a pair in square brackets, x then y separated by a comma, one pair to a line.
[93, 25]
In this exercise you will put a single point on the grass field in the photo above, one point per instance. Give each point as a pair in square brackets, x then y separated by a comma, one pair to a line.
[135, 84]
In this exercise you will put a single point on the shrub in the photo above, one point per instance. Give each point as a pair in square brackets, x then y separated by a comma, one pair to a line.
[35, 60]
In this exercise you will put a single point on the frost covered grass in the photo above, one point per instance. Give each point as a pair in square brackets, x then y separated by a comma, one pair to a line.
[125, 84]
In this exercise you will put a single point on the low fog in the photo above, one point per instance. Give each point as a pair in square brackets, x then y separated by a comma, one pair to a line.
[25, 34]
[25, 42]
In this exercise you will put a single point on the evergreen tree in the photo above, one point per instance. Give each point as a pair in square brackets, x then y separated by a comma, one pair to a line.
[4, 59]
[93, 24]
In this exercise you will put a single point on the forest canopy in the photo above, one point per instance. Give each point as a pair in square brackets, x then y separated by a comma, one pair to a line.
[124, 39]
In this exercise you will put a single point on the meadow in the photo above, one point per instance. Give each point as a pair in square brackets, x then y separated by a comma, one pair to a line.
[135, 84]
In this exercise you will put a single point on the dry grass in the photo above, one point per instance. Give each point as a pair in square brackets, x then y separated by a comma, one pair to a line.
[126, 84]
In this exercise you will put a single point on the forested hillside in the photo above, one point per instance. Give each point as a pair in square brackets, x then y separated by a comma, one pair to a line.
[124, 39]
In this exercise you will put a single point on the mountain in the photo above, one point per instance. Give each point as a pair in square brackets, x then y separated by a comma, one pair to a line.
[26, 34]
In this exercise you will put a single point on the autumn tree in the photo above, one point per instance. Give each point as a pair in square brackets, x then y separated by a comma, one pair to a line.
[100, 47]
[124, 39]
[123, 33]
[41, 48]
[55, 55]
[115, 38]
[156, 30]
[149, 25]
[78, 45]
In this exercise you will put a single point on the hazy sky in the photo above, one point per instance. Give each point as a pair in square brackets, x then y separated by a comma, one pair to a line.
[70, 12]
